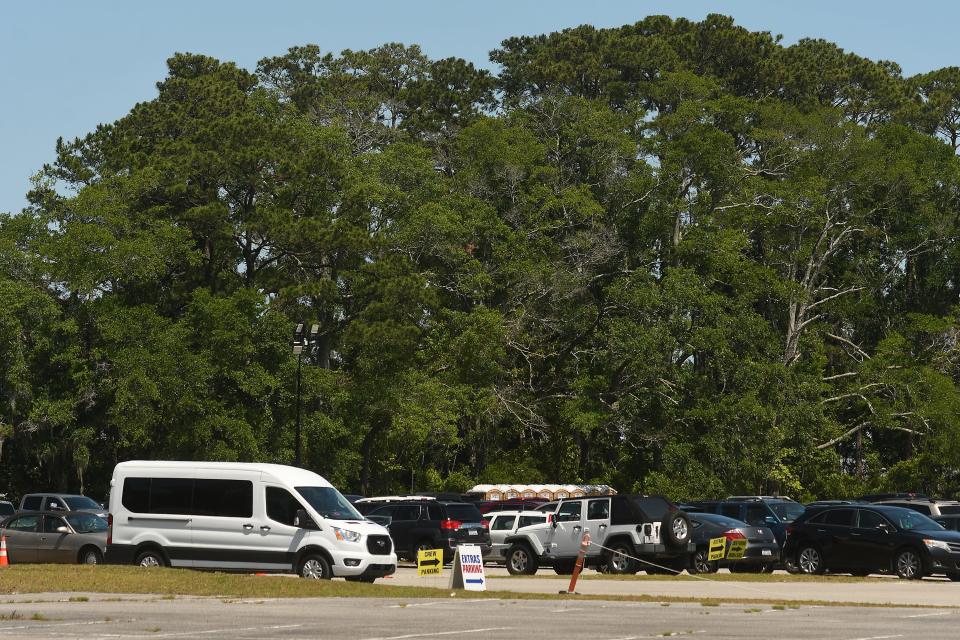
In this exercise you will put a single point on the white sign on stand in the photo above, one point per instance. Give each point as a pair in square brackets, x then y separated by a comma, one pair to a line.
[468, 569]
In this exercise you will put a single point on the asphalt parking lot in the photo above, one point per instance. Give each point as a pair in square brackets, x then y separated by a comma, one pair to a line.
[53, 616]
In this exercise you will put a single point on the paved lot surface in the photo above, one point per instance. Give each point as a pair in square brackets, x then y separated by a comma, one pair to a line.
[876, 590]
[103, 617]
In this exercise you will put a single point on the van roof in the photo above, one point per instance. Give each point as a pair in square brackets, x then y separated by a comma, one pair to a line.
[280, 472]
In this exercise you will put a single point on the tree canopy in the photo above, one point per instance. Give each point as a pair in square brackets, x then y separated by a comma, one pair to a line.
[673, 256]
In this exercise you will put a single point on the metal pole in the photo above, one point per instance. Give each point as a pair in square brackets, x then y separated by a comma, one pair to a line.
[296, 461]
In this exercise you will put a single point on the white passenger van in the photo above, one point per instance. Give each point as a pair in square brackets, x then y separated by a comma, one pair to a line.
[236, 516]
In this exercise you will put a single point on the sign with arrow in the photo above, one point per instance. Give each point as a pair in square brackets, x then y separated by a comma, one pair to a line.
[429, 562]
[467, 570]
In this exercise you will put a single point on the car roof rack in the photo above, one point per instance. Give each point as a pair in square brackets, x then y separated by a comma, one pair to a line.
[394, 499]
[760, 498]
[877, 497]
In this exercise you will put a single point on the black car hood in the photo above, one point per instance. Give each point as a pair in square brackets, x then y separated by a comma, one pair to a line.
[945, 536]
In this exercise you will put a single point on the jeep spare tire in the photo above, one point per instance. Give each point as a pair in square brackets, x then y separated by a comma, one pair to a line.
[675, 529]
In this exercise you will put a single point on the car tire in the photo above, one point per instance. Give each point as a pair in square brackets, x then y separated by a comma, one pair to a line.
[521, 561]
[675, 529]
[908, 565]
[810, 561]
[422, 545]
[860, 573]
[768, 568]
[90, 555]
[618, 559]
[700, 564]
[150, 558]
[314, 566]
[954, 577]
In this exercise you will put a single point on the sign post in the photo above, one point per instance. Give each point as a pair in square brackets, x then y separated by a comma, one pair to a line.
[429, 562]
[467, 570]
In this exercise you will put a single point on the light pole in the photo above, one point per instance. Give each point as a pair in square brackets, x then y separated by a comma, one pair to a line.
[301, 343]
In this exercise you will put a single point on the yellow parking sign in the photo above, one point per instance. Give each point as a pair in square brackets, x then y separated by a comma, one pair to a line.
[429, 562]
[717, 548]
[737, 549]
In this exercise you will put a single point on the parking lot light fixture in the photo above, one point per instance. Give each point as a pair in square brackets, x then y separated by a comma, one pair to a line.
[302, 344]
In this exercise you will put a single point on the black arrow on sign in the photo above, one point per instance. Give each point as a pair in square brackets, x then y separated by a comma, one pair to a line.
[433, 562]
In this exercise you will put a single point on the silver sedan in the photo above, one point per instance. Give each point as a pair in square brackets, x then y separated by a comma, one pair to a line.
[46, 536]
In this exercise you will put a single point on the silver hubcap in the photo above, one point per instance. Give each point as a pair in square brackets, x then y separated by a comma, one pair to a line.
[90, 558]
[680, 529]
[809, 560]
[620, 561]
[313, 569]
[519, 560]
[701, 562]
[150, 561]
[908, 564]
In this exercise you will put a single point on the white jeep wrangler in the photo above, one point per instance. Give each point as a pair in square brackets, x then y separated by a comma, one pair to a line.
[649, 528]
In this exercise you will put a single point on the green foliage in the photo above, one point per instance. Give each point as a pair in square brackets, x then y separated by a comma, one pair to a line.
[673, 256]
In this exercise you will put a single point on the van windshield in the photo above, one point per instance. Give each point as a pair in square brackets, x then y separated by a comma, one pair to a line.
[328, 502]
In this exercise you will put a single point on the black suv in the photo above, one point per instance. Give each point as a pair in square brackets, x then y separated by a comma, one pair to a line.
[431, 524]
[867, 538]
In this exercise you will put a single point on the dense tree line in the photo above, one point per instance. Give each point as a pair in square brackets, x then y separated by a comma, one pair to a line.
[673, 257]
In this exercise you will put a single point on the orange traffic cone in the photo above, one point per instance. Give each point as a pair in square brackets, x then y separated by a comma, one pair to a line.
[3, 552]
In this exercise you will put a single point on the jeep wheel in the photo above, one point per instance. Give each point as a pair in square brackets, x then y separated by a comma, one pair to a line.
[521, 561]
[675, 530]
[618, 559]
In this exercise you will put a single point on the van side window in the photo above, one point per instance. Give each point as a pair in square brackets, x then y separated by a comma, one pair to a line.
[171, 495]
[224, 498]
[136, 495]
[281, 506]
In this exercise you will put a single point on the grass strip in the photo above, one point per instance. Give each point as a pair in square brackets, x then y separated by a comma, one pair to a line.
[712, 577]
[167, 583]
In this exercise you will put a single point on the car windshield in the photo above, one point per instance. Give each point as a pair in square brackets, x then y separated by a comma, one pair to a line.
[910, 519]
[787, 511]
[76, 503]
[328, 502]
[86, 522]
[723, 521]
[464, 512]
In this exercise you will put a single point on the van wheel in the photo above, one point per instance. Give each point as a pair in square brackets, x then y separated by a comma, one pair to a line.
[521, 561]
[151, 558]
[90, 555]
[315, 567]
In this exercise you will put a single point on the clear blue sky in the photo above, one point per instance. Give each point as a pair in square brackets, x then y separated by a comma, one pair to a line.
[67, 66]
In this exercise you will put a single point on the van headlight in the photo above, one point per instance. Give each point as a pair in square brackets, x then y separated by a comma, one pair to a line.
[936, 544]
[346, 535]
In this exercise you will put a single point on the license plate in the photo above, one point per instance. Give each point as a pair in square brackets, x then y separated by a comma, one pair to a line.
[767, 552]
[474, 533]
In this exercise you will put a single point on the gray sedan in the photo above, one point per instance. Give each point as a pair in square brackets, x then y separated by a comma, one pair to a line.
[762, 550]
[47, 536]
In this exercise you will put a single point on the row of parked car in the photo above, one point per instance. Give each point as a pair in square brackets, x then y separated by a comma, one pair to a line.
[908, 535]
[905, 534]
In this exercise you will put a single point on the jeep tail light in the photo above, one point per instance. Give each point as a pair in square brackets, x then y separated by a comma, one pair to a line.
[450, 525]
[733, 534]
[485, 523]
[109, 528]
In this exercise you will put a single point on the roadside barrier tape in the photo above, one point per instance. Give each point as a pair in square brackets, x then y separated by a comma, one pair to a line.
[676, 572]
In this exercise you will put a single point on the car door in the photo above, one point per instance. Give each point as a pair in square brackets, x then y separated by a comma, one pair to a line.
[279, 537]
[23, 538]
[872, 541]
[598, 523]
[835, 534]
[53, 545]
[501, 525]
[225, 531]
[406, 518]
[565, 541]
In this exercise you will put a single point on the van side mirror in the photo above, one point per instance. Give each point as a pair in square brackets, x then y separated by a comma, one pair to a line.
[303, 520]
[771, 520]
[383, 521]
[55, 506]
[884, 527]
[63, 530]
